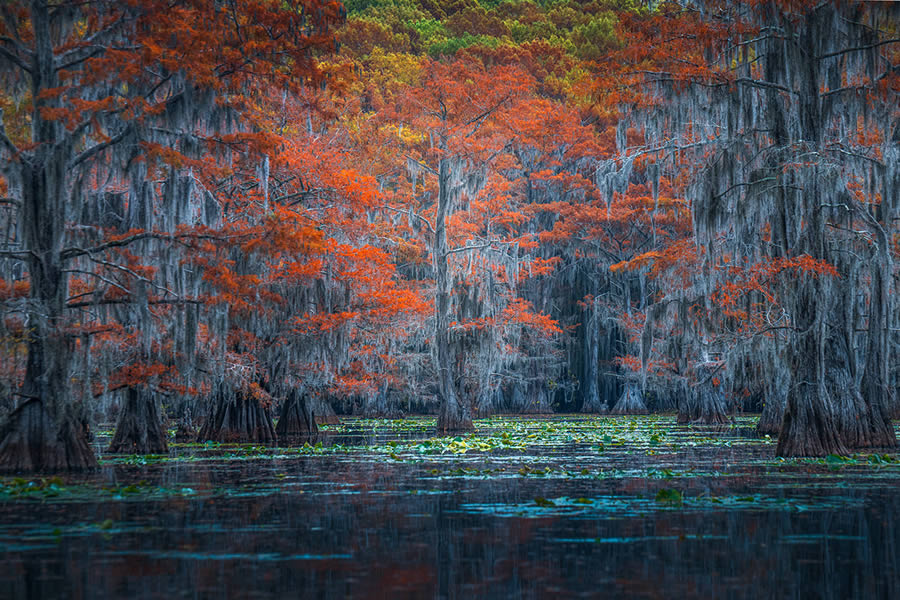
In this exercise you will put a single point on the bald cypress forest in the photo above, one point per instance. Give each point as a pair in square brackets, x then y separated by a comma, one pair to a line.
[492, 298]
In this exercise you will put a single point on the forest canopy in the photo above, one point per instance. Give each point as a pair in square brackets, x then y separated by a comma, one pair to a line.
[218, 212]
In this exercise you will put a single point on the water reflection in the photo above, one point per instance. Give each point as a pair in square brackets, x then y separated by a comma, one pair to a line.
[362, 526]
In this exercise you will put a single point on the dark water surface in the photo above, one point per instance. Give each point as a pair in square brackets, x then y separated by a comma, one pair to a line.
[561, 507]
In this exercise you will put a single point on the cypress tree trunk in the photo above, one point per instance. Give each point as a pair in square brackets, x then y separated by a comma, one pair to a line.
[775, 385]
[826, 411]
[33, 440]
[486, 403]
[772, 415]
[631, 402]
[874, 428]
[140, 429]
[455, 414]
[47, 431]
[809, 427]
[706, 403]
[323, 411]
[537, 401]
[297, 418]
[238, 418]
[857, 422]
[592, 402]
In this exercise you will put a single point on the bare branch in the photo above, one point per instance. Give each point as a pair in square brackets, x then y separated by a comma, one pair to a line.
[71, 62]
[858, 48]
[75, 252]
[21, 255]
[97, 148]
[745, 183]
[476, 247]
[14, 59]
[764, 84]
[111, 301]
[100, 277]
[132, 273]
[412, 214]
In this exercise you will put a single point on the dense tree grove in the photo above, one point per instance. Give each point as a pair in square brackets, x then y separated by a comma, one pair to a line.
[218, 212]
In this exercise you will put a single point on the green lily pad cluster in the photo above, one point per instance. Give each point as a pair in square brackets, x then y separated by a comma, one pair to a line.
[19, 487]
[54, 488]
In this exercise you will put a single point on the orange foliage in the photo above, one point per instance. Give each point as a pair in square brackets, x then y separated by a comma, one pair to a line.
[521, 312]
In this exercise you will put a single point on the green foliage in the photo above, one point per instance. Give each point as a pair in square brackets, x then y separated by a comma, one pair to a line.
[585, 31]
[430, 31]
[834, 459]
[381, 8]
[669, 496]
[39, 488]
[453, 45]
[395, 16]
[545, 451]
[55, 489]
[354, 7]
[596, 37]
[537, 30]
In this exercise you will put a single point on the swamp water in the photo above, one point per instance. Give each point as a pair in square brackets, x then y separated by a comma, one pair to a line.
[526, 507]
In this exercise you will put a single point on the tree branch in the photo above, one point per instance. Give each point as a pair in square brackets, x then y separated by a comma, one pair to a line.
[412, 214]
[75, 252]
[94, 51]
[14, 59]
[87, 303]
[465, 248]
[100, 277]
[858, 48]
[763, 84]
[97, 148]
[22, 255]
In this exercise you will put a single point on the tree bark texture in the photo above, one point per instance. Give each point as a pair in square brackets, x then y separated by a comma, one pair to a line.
[297, 419]
[454, 413]
[35, 441]
[631, 402]
[706, 403]
[238, 419]
[140, 429]
[810, 426]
